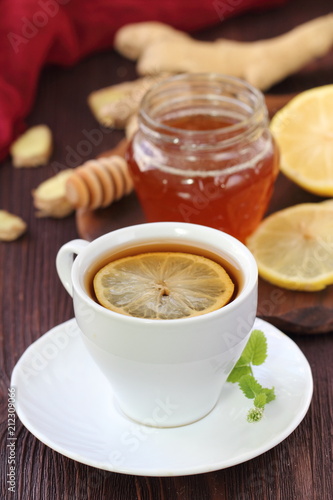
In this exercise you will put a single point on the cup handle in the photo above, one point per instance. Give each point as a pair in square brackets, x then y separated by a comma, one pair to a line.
[65, 259]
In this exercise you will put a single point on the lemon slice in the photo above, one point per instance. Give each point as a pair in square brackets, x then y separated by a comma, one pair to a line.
[294, 247]
[303, 130]
[163, 285]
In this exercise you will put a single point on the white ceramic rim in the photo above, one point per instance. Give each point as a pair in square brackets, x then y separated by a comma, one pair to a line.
[182, 228]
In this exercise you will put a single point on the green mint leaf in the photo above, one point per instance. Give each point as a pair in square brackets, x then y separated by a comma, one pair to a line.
[260, 400]
[270, 394]
[255, 351]
[250, 386]
[243, 361]
[255, 414]
[238, 372]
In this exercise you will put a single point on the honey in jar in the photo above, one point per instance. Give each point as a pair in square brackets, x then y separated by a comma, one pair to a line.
[204, 154]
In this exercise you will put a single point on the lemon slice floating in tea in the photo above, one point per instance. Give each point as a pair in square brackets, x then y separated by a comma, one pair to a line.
[294, 247]
[163, 285]
[303, 130]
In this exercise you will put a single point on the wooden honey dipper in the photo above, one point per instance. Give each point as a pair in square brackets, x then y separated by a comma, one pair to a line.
[97, 183]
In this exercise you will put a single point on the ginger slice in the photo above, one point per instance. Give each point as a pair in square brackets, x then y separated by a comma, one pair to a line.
[11, 226]
[50, 196]
[33, 148]
[113, 106]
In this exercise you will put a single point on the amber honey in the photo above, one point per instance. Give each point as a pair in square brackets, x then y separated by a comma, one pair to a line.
[209, 161]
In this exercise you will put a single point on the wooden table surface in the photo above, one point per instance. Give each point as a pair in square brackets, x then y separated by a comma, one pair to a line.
[33, 301]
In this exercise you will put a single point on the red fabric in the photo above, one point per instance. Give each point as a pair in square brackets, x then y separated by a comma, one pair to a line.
[36, 32]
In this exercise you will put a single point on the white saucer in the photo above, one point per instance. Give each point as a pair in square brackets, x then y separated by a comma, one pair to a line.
[67, 404]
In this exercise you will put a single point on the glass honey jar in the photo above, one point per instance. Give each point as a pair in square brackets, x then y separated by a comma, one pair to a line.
[203, 153]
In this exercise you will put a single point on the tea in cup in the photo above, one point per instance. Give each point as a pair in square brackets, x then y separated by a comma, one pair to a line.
[166, 370]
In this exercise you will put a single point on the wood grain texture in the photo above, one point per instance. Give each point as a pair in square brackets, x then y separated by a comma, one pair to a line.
[33, 300]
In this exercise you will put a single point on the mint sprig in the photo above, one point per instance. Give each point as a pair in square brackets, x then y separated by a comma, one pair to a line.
[254, 354]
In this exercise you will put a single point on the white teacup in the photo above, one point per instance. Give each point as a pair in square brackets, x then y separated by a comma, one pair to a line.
[163, 373]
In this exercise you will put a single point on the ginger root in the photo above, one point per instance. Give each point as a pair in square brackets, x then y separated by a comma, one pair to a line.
[113, 106]
[50, 196]
[11, 226]
[146, 34]
[160, 48]
[33, 148]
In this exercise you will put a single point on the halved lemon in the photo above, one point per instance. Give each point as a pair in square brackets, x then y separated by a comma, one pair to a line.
[163, 285]
[294, 247]
[303, 130]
